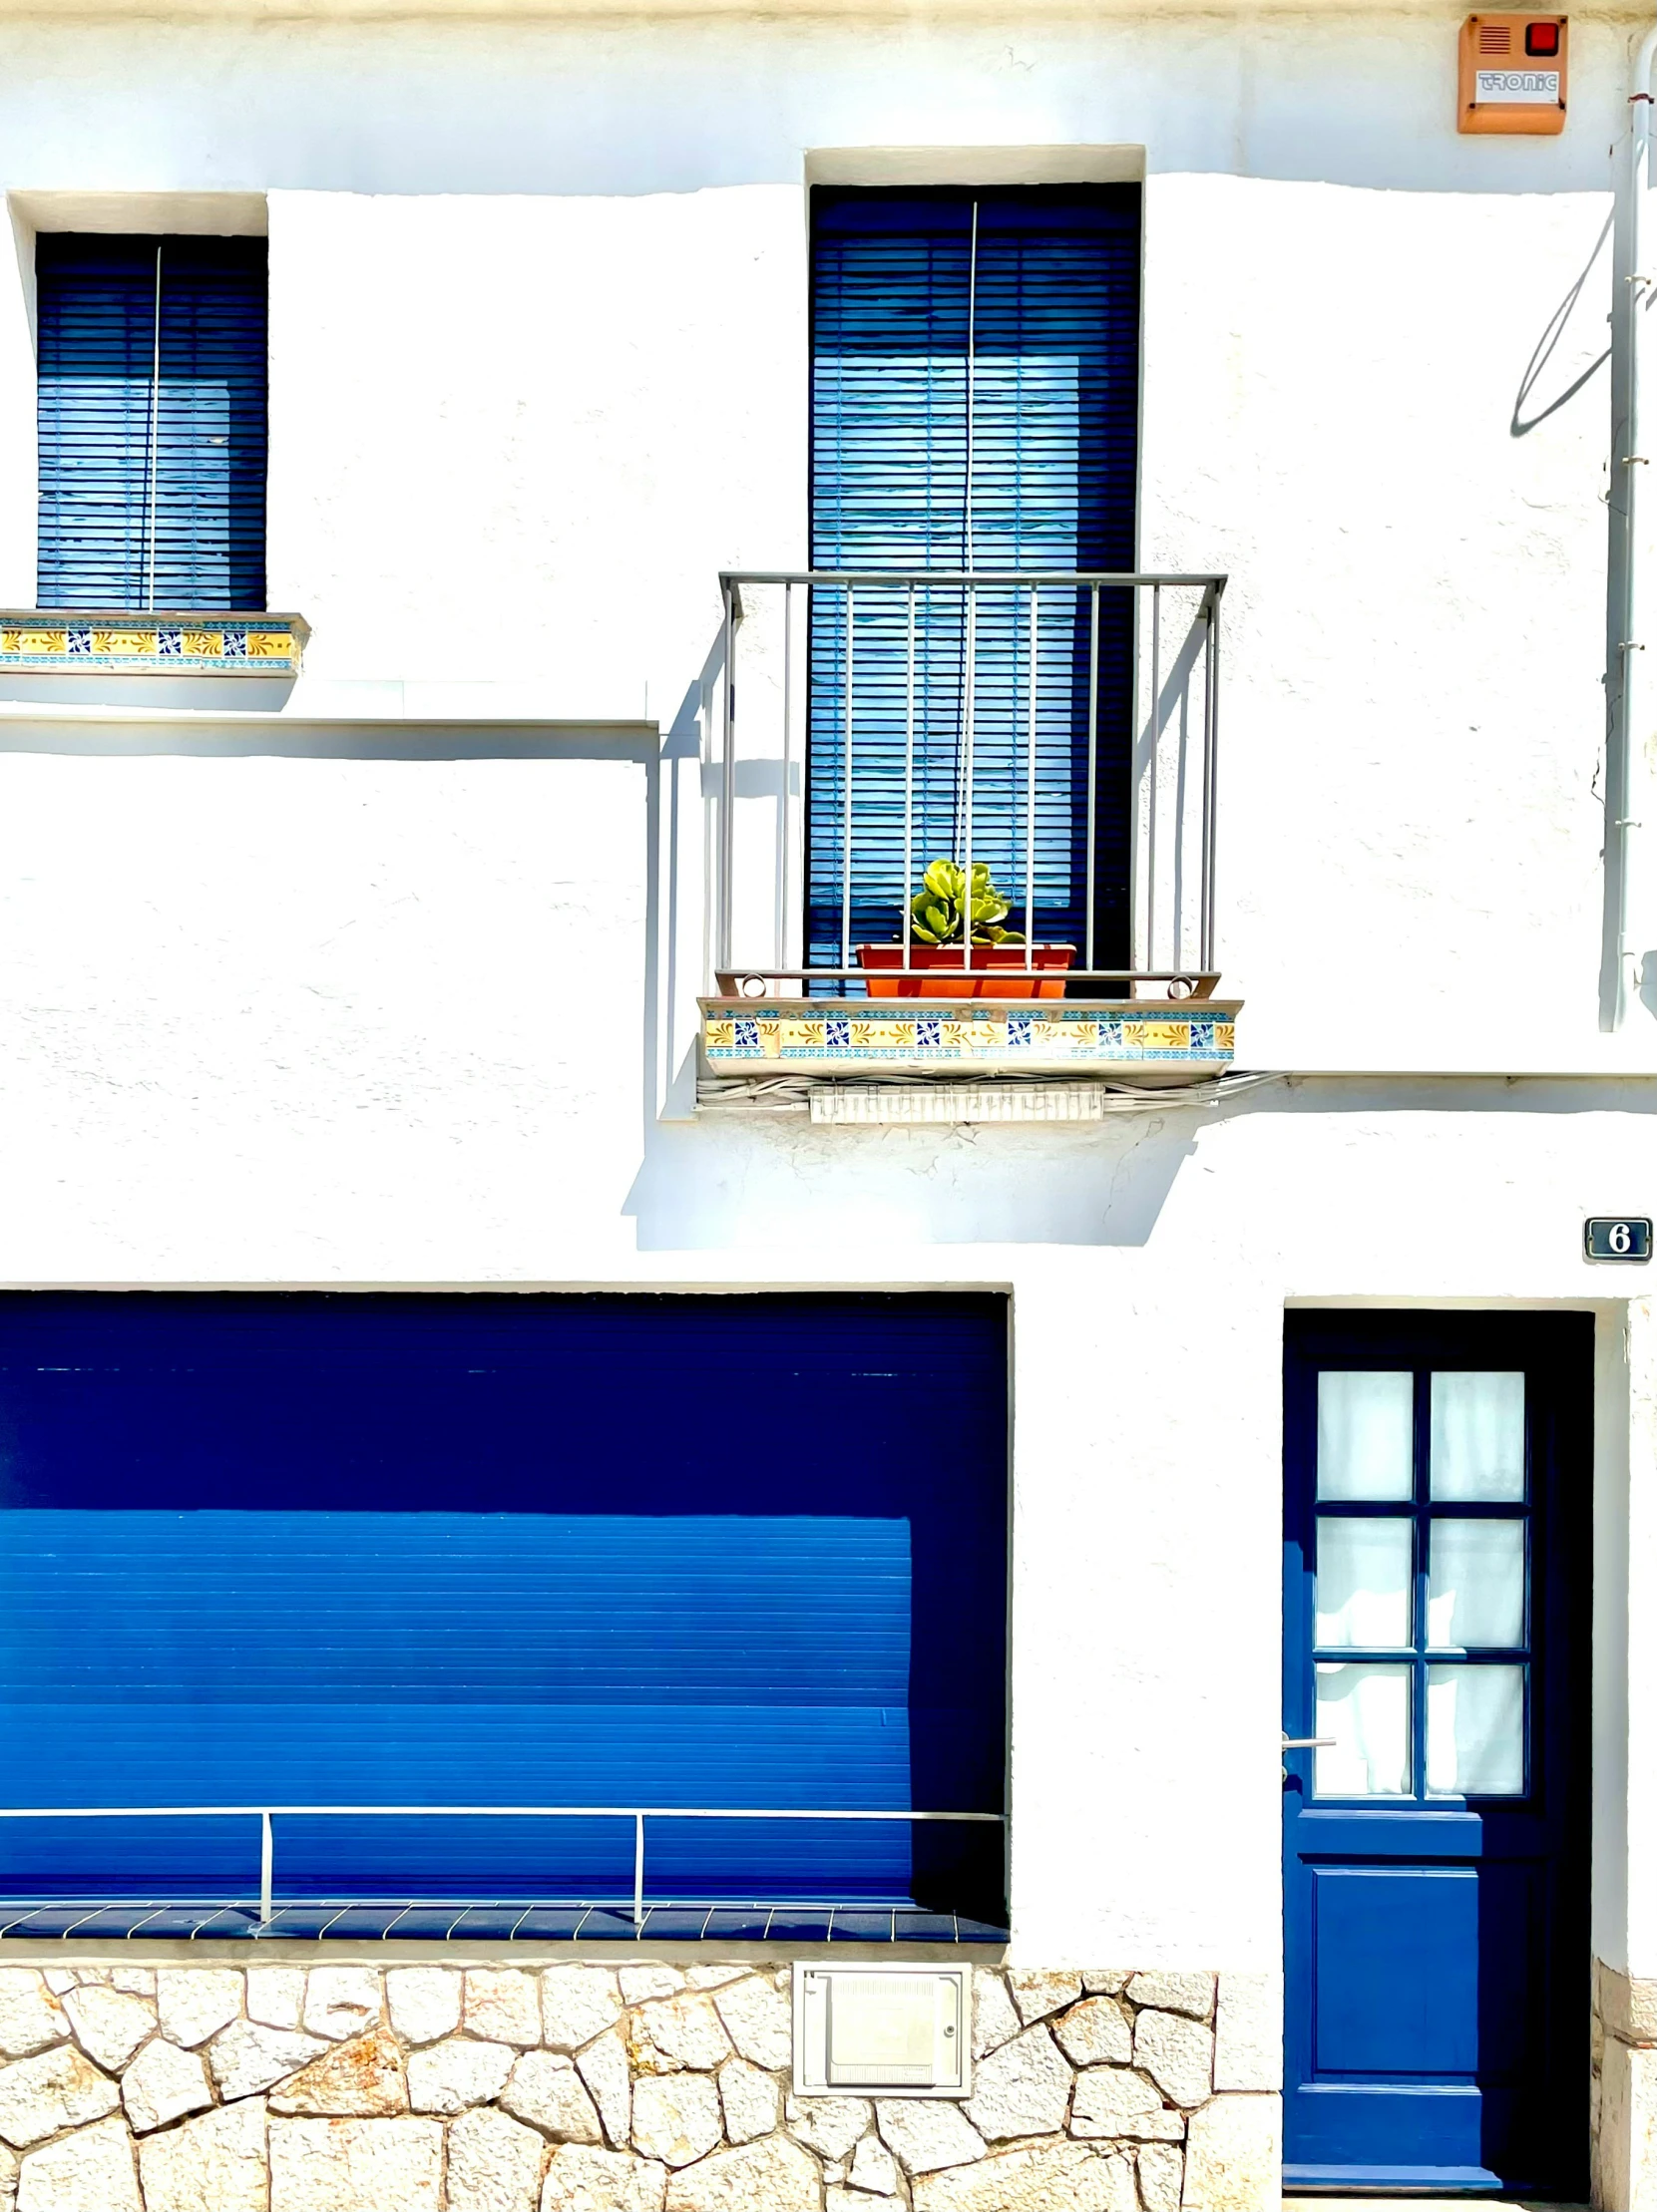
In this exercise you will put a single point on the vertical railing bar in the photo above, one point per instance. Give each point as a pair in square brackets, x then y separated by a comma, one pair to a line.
[267, 1866]
[1093, 767]
[788, 746]
[1029, 810]
[1156, 751]
[968, 707]
[727, 803]
[639, 1870]
[846, 823]
[909, 781]
[1210, 739]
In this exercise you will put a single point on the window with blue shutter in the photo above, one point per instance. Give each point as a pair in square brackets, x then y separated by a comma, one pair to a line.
[152, 421]
[974, 404]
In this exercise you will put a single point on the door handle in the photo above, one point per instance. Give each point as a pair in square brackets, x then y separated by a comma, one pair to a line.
[1304, 1743]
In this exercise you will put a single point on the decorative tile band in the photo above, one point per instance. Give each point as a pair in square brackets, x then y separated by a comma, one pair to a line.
[823, 1036]
[170, 643]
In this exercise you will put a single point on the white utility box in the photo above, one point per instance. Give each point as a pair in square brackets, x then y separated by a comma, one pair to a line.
[907, 2029]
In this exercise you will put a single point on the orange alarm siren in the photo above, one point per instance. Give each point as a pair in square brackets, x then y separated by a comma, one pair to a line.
[1512, 75]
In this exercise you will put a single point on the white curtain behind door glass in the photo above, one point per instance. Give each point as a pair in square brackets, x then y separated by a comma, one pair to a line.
[1365, 1426]
[1475, 1584]
[1366, 1708]
[1474, 1732]
[1364, 1583]
[1477, 1436]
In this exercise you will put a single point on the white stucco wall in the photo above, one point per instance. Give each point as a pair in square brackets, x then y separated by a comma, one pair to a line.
[386, 1002]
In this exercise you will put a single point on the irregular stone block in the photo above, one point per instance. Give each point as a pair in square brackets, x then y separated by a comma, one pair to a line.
[356, 2165]
[1034, 2177]
[502, 2004]
[1096, 2032]
[675, 2117]
[1039, 1994]
[545, 2089]
[162, 2085]
[776, 2174]
[1191, 1993]
[758, 2021]
[246, 2059]
[359, 2079]
[1162, 2171]
[677, 2031]
[197, 2002]
[135, 1980]
[89, 2172]
[582, 2180]
[1106, 1981]
[874, 2169]
[10, 2167]
[214, 2164]
[750, 2099]
[578, 2004]
[926, 2133]
[831, 2124]
[640, 1984]
[448, 2077]
[424, 2002]
[712, 1978]
[109, 2027]
[1248, 2031]
[55, 2089]
[1177, 2054]
[1113, 2102]
[603, 2066]
[341, 2001]
[993, 2020]
[31, 2017]
[1233, 2155]
[1024, 2089]
[494, 2164]
[276, 1995]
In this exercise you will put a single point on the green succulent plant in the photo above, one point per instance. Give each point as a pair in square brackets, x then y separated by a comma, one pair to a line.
[938, 913]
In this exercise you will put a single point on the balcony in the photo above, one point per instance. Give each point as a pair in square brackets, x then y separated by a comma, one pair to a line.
[882, 740]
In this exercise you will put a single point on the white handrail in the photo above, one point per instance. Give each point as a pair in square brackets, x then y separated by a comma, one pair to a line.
[638, 1814]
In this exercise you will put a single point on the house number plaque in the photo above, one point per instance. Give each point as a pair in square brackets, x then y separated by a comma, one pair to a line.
[1616, 1237]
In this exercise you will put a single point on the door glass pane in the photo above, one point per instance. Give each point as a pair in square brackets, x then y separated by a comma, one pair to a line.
[1477, 1437]
[1476, 1584]
[1365, 1426]
[1476, 1731]
[1363, 1582]
[1366, 1710]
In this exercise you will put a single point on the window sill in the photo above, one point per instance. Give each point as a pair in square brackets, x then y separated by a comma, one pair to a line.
[176, 643]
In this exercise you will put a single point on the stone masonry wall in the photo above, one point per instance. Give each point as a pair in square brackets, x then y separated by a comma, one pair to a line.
[587, 2088]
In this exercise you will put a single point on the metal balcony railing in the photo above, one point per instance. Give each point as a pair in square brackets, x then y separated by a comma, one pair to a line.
[638, 1815]
[1058, 727]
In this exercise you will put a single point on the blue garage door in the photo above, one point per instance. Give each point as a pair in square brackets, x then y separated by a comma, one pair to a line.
[591, 1551]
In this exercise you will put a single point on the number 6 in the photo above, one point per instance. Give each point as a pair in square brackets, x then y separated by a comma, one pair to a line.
[1621, 1238]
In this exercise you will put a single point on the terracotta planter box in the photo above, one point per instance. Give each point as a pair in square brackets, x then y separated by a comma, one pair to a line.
[998, 970]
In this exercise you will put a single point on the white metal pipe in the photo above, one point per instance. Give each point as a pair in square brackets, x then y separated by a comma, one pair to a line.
[1626, 687]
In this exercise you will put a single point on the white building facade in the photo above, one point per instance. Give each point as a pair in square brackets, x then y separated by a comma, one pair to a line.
[495, 1317]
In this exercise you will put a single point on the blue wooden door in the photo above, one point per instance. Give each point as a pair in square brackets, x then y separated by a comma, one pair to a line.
[1435, 1594]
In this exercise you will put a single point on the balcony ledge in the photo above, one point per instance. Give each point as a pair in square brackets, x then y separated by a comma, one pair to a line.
[1172, 1042]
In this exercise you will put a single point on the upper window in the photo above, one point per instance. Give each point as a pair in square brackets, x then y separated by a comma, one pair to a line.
[153, 422]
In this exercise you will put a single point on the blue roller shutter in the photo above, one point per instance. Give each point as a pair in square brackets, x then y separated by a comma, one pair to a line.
[975, 404]
[499, 1550]
[152, 435]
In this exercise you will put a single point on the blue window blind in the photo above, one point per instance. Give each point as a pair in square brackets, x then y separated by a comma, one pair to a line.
[151, 422]
[975, 404]
[503, 1550]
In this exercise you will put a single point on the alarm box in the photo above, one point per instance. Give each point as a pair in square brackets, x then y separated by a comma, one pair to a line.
[1512, 75]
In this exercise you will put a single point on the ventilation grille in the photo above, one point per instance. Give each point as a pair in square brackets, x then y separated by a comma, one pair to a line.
[1495, 38]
